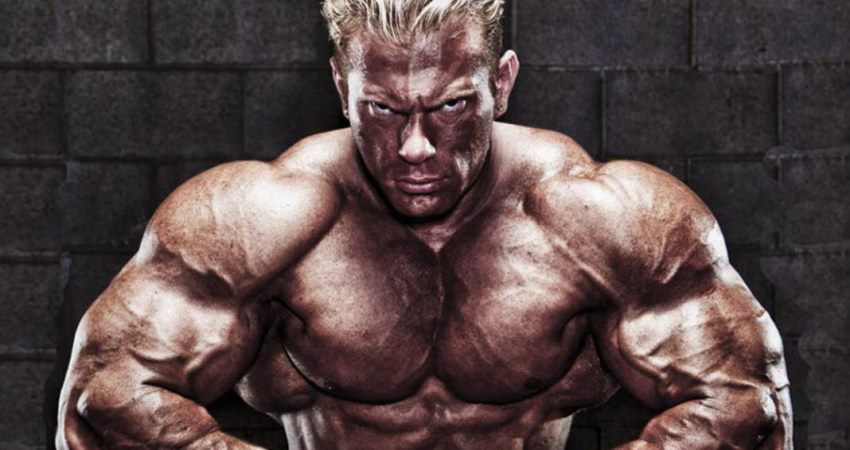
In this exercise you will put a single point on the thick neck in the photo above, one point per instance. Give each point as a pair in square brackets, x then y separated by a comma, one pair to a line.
[434, 231]
[437, 231]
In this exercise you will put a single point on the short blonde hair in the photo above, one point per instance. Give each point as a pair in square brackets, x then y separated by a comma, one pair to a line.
[396, 21]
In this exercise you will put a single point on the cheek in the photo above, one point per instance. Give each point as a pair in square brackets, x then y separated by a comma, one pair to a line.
[466, 141]
[454, 136]
[378, 140]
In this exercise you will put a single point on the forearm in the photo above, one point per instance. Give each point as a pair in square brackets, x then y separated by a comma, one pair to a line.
[743, 422]
[150, 416]
[80, 436]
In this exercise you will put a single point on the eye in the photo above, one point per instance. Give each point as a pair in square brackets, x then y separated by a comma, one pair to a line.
[380, 109]
[453, 106]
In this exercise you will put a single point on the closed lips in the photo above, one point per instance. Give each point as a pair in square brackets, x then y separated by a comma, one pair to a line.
[418, 185]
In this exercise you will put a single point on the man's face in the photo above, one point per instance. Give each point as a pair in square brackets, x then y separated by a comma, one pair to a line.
[421, 115]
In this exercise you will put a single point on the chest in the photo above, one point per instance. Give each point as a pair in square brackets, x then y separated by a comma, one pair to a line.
[496, 313]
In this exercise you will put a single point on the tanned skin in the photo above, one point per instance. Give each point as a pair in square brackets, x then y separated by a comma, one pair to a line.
[428, 279]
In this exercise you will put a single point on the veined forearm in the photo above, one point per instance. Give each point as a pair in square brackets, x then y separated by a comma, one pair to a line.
[150, 417]
[745, 422]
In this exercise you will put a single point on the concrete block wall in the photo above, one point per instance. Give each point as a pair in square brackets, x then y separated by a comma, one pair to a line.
[107, 106]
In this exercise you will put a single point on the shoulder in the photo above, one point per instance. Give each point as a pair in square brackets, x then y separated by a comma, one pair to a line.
[242, 192]
[300, 185]
[241, 222]
[327, 155]
[651, 229]
[535, 153]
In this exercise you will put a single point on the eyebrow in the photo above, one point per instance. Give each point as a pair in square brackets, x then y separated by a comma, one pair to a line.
[452, 94]
[458, 90]
[380, 93]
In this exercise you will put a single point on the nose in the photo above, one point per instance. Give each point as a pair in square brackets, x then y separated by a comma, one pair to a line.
[415, 146]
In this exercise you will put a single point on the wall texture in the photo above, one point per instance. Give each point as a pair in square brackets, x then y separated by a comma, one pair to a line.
[105, 107]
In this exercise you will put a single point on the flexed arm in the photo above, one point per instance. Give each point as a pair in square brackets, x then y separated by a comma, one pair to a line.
[675, 324]
[184, 319]
[711, 361]
[147, 356]
[683, 333]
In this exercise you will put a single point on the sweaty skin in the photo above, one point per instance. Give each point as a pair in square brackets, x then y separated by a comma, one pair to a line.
[428, 279]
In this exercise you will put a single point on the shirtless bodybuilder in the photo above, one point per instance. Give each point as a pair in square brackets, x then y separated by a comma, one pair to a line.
[427, 279]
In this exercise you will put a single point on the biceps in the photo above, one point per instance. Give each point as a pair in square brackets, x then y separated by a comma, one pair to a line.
[196, 353]
[156, 334]
[704, 346]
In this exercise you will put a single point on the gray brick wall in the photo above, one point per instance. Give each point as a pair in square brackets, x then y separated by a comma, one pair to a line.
[107, 106]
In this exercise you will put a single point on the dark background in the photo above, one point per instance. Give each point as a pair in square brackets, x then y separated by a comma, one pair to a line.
[106, 106]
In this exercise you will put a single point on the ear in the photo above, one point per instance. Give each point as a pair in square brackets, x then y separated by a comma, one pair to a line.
[341, 83]
[505, 79]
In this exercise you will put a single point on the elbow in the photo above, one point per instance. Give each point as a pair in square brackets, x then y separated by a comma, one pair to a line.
[98, 413]
[94, 404]
[99, 409]
[776, 425]
[137, 415]
[755, 416]
[73, 432]
[767, 411]
[743, 418]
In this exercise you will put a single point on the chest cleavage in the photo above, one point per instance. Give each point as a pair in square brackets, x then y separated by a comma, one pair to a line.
[495, 315]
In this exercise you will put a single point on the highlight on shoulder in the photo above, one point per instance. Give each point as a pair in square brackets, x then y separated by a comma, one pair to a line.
[241, 222]
[326, 155]
[643, 218]
[543, 152]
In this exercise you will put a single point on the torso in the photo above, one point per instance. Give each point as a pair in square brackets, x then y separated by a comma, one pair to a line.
[481, 342]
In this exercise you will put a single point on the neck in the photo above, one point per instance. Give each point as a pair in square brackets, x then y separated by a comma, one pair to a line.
[436, 232]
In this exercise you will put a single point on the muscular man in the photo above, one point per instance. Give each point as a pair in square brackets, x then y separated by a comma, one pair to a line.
[427, 279]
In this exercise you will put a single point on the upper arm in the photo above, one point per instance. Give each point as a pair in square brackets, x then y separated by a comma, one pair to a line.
[184, 313]
[674, 322]
[682, 324]
[238, 224]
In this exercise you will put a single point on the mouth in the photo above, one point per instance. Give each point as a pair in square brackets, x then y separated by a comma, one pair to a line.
[419, 185]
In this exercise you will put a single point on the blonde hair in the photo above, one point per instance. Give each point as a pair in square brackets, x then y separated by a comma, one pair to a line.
[396, 21]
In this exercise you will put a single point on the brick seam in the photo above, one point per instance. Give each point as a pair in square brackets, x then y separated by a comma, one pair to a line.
[150, 31]
[243, 142]
[514, 22]
[780, 104]
[692, 44]
[603, 115]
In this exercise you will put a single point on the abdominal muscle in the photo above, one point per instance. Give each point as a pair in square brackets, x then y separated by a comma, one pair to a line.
[430, 418]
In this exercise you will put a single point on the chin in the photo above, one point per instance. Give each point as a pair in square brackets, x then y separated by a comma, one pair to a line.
[422, 209]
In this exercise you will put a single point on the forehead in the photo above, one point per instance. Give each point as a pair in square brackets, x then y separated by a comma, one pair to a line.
[429, 61]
